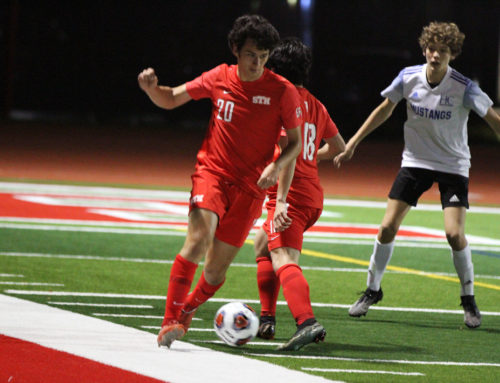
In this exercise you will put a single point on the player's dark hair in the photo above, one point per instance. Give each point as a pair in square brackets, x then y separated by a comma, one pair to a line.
[253, 27]
[291, 59]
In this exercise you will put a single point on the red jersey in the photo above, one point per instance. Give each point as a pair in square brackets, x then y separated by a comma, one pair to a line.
[245, 123]
[306, 189]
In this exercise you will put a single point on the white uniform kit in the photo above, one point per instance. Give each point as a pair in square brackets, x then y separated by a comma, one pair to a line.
[435, 131]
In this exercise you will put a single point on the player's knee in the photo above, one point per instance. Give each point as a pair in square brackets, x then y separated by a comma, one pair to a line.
[387, 233]
[195, 247]
[214, 275]
[456, 240]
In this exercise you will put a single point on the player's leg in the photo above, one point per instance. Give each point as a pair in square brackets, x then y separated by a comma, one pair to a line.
[201, 228]
[233, 229]
[285, 252]
[382, 252]
[454, 190]
[268, 285]
[296, 293]
[407, 188]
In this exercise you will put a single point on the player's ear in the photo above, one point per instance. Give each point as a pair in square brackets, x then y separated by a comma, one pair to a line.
[235, 50]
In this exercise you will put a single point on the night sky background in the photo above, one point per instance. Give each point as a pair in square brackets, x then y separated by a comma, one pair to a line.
[78, 61]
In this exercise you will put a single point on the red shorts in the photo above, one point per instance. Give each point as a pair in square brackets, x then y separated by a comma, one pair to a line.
[303, 217]
[237, 210]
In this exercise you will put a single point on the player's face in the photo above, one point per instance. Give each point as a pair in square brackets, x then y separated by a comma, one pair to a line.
[251, 61]
[438, 56]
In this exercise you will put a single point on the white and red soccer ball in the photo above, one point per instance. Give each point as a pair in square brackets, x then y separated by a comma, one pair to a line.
[236, 323]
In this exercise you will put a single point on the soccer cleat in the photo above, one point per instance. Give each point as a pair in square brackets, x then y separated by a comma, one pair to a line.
[267, 327]
[170, 332]
[313, 332]
[472, 316]
[186, 317]
[361, 306]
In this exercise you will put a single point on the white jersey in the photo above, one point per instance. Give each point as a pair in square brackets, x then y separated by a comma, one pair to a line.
[435, 131]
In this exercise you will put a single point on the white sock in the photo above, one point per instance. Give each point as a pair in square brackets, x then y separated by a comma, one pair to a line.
[378, 262]
[462, 260]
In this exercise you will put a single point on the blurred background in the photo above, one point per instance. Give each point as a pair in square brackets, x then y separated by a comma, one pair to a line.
[68, 75]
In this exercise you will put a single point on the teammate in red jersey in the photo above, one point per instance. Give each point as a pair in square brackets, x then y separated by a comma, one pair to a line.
[278, 252]
[234, 166]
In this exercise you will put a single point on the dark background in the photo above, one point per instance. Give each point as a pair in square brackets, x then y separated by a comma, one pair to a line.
[78, 61]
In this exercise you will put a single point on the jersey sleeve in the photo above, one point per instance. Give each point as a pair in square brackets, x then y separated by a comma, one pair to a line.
[201, 86]
[476, 99]
[331, 129]
[394, 92]
[292, 114]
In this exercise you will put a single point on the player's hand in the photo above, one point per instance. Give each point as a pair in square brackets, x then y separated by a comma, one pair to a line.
[147, 79]
[281, 220]
[269, 176]
[346, 155]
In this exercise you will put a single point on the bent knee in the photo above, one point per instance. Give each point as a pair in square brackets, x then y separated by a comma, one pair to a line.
[387, 233]
[456, 240]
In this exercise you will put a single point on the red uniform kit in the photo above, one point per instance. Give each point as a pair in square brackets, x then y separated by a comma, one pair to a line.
[305, 197]
[244, 127]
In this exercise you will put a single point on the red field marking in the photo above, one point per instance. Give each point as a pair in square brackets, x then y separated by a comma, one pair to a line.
[26, 362]
[10, 206]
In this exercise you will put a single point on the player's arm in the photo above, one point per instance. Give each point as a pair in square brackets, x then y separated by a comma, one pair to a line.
[493, 120]
[269, 176]
[333, 146]
[376, 118]
[163, 96]
[281, 219]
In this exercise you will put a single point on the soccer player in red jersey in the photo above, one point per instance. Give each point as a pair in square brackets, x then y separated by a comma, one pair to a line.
[277, 252]
[234, 166]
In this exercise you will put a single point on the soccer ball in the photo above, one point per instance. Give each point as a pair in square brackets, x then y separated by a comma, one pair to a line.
[236, 323]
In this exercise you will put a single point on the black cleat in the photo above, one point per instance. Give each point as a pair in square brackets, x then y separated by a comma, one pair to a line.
[267, 327]
[361, 306]
[472, 316]
[306, 333]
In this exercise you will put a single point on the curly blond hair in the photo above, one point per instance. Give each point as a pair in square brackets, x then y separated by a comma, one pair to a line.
[444, 33]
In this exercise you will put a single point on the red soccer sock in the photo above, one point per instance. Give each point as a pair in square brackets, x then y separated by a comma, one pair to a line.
[269, 286]
[201, 293]
[296, 292]
[181, 277]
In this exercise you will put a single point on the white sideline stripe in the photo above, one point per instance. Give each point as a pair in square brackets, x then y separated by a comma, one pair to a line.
[100, 305]
[249, 265]
[362, 371]
[30, 283]
[127, 316]
[249, 343]
[11, 276]
[398, 361]
[190, 329]
[226, 300]
[110, 343]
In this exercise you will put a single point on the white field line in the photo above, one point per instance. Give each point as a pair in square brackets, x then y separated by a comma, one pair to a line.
[251, 343]
[236, 264]
[226, 300]
[11, 276]
[30, 283]
[127, 316]
[416, 362]
[107, 305]
[191, 329]
[312, 369]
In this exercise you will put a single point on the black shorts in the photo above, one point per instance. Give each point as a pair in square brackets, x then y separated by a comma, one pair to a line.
[411, 183]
